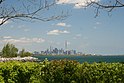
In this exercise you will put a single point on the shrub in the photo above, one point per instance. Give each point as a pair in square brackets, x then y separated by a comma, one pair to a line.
[18, 72]
[100, 73]
[61, 71]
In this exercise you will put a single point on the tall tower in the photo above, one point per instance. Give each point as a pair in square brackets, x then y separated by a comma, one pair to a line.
[66, 45]
[51, 49]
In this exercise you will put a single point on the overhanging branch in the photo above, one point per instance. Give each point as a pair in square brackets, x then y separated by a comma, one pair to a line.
[26, 11]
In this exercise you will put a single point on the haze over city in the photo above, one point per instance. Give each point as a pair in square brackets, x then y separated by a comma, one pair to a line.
[83, 32]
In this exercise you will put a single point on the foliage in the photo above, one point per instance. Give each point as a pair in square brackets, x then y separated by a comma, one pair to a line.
[23, 53]
[18, 72]
[61, 71]
[9, 50]
[0, 53]
[100, 73]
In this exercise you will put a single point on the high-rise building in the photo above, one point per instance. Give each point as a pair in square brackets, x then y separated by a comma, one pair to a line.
[66, 45]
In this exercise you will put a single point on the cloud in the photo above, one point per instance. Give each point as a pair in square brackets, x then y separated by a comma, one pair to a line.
[98, 23]
[57, 32]
[22, 40]
[76, 3]
[62, 24]
[6, 37]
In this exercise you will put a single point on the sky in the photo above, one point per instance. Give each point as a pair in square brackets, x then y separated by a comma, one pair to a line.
[83, 32]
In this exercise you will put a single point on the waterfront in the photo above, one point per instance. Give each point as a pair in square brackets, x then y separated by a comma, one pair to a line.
[31, 59]
[81, 59]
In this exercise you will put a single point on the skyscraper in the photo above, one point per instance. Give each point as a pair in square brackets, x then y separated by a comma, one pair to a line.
[66, 45]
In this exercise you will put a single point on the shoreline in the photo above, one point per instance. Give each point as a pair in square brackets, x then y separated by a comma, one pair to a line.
[31, 59]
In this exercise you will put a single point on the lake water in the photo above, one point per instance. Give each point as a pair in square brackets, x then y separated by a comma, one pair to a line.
[81, 59]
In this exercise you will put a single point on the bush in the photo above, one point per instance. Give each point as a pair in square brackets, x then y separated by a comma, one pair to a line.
[18, 72]
[100, 73]
[61, 71]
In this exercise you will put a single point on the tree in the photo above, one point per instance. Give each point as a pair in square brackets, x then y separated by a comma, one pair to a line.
[9, 50]
[27, 9]
[0, 54]
[23, 53]
[107, 5]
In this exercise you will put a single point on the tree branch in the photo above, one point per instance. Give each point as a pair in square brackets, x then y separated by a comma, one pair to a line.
[1, 1]
[109, 7]
[30, 10]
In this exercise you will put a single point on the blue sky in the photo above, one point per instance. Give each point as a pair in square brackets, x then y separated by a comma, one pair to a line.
[101, 35]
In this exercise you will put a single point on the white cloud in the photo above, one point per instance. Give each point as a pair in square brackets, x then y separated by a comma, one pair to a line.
[64, 31]
[62, 1]
[77, 3]
[62, 24]
[7, 37]
[57, 32]
[98, 23]
[22, 40]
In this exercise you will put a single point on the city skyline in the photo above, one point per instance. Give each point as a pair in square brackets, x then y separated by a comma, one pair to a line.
[57, 51]
[81, 30]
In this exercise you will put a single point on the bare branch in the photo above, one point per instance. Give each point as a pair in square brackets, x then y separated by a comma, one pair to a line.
[98, 5]
[29, 9]
[1, 1]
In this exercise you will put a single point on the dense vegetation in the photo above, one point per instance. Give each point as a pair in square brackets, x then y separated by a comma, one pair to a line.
[61, 71]
[9, 50]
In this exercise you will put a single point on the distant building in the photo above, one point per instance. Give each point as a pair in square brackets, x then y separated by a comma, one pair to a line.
[36, 53]
[42, 52]
[56, 51]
